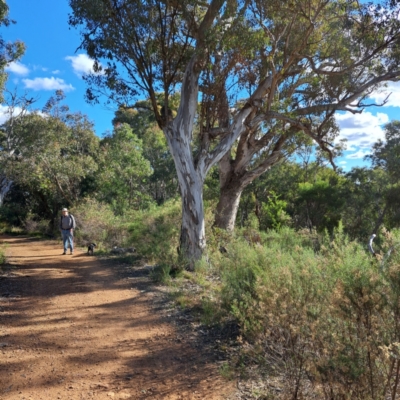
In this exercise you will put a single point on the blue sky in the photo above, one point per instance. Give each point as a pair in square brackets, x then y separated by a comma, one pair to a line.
[52, 62]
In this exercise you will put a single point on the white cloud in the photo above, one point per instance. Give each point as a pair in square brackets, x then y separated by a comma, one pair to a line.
[81, 64]
[361, 130]
[393, 88]
[17, 68]
[56, 71]
[358, 155]
[4, 113]
[47, 84]
[40, 68]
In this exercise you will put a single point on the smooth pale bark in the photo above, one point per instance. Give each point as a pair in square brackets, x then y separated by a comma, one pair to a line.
[179, 137]
[287, 69]
[5, 185]
[192, 239]
[191, 175]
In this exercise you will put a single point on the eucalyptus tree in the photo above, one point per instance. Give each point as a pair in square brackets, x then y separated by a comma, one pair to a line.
[123, 170]
[53, 151]
[162, 184]
[9, 52]
[319, 204]
[385, 158]
[366, 206]
[331, 60]
[386, 153]
[302, 195]
[17, 107]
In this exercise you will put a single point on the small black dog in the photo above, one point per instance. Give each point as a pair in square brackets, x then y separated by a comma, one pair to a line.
[90, 248]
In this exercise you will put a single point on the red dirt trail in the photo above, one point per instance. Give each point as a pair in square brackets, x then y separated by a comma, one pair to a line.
[76, 327]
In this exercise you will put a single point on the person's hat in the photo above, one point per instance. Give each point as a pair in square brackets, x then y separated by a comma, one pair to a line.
[64, 209]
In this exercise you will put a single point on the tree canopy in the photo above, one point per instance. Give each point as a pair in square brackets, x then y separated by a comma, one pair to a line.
[257, 67]
[123, 170]
[9, 52]
[48, 154]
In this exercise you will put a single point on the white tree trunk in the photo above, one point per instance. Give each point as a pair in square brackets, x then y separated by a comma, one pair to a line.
[192, 240]
[5, 186]
[179, 137]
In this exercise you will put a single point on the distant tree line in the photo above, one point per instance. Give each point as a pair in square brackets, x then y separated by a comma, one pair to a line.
[53, 159]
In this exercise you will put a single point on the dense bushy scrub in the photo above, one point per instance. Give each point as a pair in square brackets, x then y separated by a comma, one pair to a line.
[35, 226]
[155, 233]
[96, 222]
[326, 321]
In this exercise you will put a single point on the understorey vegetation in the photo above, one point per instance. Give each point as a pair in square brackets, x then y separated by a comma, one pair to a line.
[317, 314]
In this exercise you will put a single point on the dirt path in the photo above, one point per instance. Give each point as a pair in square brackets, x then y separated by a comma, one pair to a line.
[74, 327]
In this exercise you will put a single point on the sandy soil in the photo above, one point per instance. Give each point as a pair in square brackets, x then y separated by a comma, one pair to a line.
[76, 327]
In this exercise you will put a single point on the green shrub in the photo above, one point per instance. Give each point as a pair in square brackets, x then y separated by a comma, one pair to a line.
[35, 226]
[273, 214]
[96, 222]
[161, 273]
[155, 233]
[329, 317]
[13, 214]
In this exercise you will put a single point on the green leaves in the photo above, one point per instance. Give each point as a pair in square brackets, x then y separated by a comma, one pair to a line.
[386, 154]
[49, 156]
[123, 170]
[161, 185]
[9, 52]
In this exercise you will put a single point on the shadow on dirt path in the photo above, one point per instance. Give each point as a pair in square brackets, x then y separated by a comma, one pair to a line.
[73, 327]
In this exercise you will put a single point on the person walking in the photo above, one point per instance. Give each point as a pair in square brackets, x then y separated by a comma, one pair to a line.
[67, 226]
